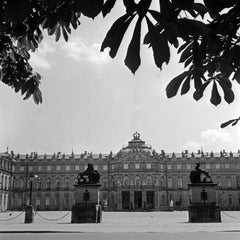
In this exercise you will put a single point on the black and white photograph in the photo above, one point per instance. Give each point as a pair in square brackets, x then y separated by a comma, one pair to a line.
[119, 119]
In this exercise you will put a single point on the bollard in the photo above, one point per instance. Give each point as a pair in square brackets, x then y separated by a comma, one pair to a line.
[29, 214]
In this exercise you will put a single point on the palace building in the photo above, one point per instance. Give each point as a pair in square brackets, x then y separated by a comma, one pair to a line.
[136, 178]
[5, 181]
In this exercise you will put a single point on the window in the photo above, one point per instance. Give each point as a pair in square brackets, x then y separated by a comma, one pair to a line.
[39, 168]
[57, 183]
[238, 182]
[85, 167]
[125, 166]
[217, 166]
[47, 201]
[227, 166]
[49, 168]
[21, 168]
[169, 166]
[229, 182]
[208, 166]
[30, 168]
[188, 166]
[149, 180]
[137, 166]
[39, 185]
[95, 167]
[58, 168]
[179, 166]
[125, 181]
[21, 183]
[180, 183]
[112, 167]
[170, 182]
[48, 184]
[149, 166]
[105, 183]
[137, 181]
[67, 183]
[105, 167]
[67, 167]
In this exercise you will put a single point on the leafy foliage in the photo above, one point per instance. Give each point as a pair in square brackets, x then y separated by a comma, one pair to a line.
[205, 34]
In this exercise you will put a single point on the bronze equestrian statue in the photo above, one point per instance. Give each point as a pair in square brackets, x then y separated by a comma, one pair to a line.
[89, 176]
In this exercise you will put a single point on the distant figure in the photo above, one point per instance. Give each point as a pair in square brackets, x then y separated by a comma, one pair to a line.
[171, 204]
[89, 176]
[195, 175]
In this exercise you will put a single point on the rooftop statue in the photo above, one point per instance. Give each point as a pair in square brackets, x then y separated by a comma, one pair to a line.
[196, 175]
[89, 176]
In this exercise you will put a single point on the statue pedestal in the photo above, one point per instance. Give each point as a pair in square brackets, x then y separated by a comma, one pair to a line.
[203, 207]
[87, 208]
[29, 214]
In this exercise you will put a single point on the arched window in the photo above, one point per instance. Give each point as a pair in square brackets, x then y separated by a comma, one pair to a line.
[229, 182]
[149, 180]
[67, 182]
[125, 181]
[238, 182]
[57, 183]
[137, 181]
[20, 183]
[48, 184]
[180, 183]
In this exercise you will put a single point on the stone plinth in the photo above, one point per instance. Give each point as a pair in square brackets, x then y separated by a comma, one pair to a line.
[29, 214]
[203, 207]
[87, 208]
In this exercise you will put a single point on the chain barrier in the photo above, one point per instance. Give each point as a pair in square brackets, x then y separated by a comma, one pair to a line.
[230, 215]
[5, 220]
[48, 219]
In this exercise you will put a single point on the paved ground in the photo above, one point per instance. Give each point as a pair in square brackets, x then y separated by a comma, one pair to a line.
[119, 225]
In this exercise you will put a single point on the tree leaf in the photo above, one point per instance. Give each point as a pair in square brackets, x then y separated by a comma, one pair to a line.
[142, 7]
[159, 45]
[130, 5]
[225, 124]
[199, 93]
[215, 96]
[237, 75]
[186, 53]
[115, 35]
[58, 33]
[175, 83]
[228, 93]
[200, 9]
[186, 85]
[90, 8]
[133, 59]
[107, 7]
[18, 10]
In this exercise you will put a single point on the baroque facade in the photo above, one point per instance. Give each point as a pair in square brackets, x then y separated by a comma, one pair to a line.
[137, 178]
[5, 180]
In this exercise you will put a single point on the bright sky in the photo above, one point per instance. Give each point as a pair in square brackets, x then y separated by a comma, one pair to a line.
[94, 103]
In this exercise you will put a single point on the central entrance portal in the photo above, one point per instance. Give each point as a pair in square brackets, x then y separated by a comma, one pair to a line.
[138, 200]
